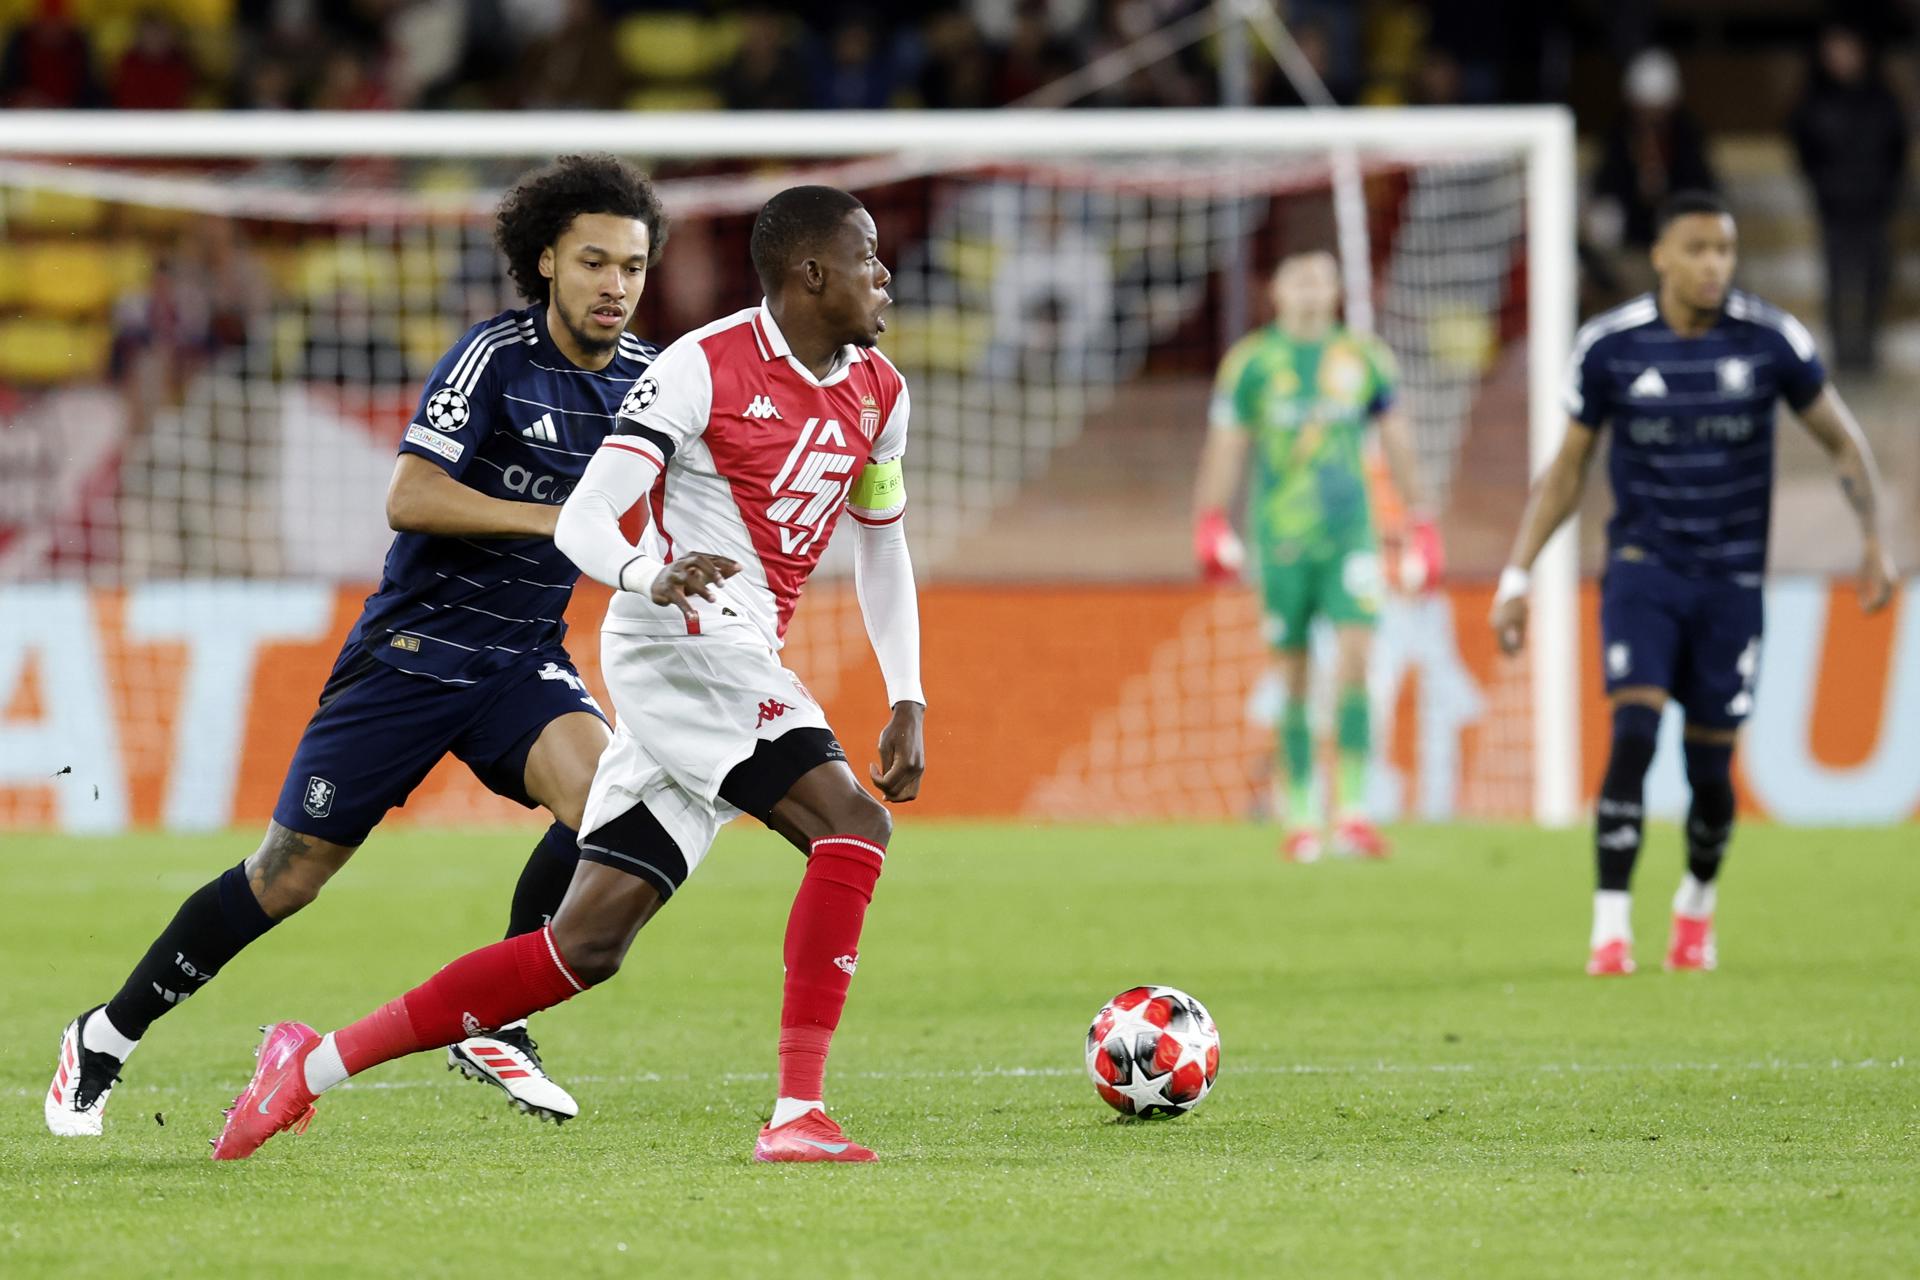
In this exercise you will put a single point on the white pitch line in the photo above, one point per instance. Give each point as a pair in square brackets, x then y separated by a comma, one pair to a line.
[1229, 1067]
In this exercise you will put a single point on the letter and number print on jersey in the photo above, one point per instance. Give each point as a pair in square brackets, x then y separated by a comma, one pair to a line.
[811, 484]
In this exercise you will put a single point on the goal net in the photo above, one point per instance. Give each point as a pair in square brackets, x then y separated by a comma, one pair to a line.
[213, 332]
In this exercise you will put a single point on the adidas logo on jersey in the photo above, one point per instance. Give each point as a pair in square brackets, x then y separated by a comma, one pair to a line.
[1648, 385]
[542, 429]
[762, 407]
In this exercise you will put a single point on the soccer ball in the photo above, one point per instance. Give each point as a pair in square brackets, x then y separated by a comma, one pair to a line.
[1153, 1051]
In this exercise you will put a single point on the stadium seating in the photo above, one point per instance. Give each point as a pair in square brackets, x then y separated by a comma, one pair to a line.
[36, 351]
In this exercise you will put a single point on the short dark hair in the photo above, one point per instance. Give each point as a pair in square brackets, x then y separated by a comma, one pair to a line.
[1682, 203]
[544, 203]
[794, 225]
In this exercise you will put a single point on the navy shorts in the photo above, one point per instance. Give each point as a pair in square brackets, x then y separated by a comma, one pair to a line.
[379, 731]
[1697, 638]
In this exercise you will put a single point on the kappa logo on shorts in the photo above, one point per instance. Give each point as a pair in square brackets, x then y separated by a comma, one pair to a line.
[770, 710]
[319, 799]
[1619, 660]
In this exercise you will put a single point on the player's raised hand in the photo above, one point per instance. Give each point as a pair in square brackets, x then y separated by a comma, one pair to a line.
[903, 754]
[1876, 577]
[692, 575]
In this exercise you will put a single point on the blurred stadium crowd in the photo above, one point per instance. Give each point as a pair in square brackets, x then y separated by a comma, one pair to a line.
[646, 54]
[372, 54]
[1797, 109]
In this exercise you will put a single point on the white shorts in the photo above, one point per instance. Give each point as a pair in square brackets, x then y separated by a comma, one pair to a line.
[687, 709]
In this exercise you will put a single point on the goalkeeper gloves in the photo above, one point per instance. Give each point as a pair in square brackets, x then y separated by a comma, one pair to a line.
[1421, 560]
[1218, 551]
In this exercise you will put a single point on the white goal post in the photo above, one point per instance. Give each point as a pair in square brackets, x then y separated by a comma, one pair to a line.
[887, 146]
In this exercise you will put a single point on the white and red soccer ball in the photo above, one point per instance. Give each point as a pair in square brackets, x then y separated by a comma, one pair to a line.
[1153, 1051]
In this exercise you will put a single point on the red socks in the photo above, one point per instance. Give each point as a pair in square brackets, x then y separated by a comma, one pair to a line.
[481, 990]
[822, 949]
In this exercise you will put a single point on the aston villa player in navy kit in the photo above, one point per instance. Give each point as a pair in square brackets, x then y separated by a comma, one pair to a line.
[1685, 379]
[460, 651]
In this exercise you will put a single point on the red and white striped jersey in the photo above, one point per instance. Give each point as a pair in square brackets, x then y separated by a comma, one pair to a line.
[757, 458]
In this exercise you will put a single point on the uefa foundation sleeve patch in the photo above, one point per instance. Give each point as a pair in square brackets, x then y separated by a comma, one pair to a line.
[428, 438]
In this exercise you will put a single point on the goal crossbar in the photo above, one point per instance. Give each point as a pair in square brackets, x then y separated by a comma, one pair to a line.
[1541, 136]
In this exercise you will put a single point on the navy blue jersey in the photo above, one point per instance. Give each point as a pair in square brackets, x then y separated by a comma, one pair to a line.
[1693, 429]
[505, 413]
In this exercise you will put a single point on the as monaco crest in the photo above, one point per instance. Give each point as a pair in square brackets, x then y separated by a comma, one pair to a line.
[869, 417]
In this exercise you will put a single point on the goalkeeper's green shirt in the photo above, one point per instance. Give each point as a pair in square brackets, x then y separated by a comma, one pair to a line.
[1307, 406]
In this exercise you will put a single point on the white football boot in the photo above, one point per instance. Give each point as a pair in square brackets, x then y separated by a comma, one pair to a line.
[83, 1080]
[509, 1060]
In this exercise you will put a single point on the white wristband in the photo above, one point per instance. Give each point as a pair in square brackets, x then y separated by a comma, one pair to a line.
[643, 571]
[1514, 583]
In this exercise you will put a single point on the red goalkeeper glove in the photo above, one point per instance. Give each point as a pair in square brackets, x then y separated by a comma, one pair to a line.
[1422, 562]
[1215, 547]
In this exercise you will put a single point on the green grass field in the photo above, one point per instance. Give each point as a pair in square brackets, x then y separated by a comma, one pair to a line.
[1417, 1079]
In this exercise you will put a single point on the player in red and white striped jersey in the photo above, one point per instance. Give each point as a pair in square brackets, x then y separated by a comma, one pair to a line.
[743, 444]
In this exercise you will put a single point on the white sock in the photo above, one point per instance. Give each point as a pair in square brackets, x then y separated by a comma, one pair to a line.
[99, 1035]
[786, 1110]
[323, 1067]
[1694, 898]
[1612, 916]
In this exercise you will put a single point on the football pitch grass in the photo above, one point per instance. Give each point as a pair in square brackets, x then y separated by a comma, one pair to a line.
[1417, 1077]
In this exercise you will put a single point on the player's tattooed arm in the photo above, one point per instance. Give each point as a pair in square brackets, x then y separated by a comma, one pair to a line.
[421, 498]
[1832, 425]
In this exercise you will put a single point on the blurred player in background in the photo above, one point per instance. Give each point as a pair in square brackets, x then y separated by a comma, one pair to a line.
[1300, 393]
[1686, 379]
[749, 436]
[460, 650]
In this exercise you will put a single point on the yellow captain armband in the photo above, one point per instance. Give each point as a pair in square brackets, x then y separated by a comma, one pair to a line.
[881, 487]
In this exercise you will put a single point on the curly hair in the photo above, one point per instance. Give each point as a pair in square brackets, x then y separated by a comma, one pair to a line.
[544, 203]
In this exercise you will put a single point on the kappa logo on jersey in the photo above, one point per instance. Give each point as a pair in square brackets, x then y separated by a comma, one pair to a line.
[1619, 660]
[447, 410]
[1736, 375]
[1648, 386]
[641, 398]
[812, 483]
[761, 407]
[542, 429]
[770, 710]
[319, 799]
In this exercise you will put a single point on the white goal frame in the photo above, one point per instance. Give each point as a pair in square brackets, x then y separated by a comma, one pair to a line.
[1544, 136]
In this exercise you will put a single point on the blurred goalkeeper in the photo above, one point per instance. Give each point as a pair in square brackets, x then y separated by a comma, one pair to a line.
[1300, 394]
